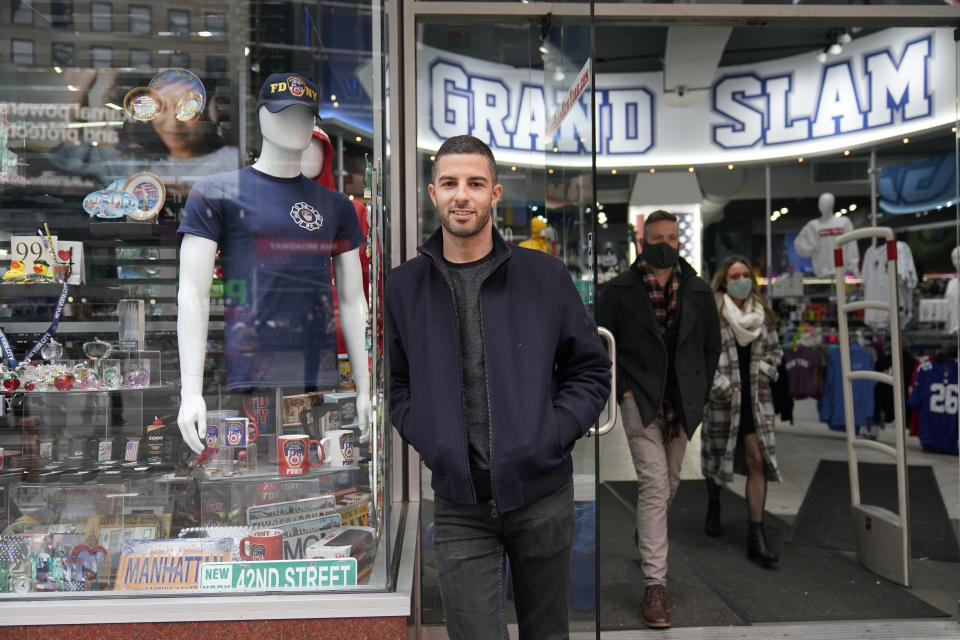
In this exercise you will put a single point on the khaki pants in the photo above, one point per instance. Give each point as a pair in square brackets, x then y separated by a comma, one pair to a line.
[658, 476]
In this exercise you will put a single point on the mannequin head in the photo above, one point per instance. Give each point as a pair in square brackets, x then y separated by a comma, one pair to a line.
[955, 257]
[825, 204]
[289, 129]
[311, 162]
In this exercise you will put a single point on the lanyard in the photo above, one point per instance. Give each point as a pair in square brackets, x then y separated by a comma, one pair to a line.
[44, 339]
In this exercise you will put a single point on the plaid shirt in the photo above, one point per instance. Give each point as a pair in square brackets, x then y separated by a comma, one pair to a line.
[664, 302]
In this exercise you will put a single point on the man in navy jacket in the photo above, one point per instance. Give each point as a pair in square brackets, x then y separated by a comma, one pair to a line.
[495, 372]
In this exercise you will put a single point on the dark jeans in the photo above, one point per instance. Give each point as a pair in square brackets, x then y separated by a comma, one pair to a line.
[470, 542]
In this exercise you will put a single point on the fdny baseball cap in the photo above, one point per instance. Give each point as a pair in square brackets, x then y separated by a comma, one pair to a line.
[281, 90]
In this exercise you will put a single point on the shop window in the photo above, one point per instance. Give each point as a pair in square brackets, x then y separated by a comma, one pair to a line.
[21, 12]
[63, 54]
[61, 14]
[179, 22]
[21, 51]
[140, 58]
[101, 16]
[139, 20]
[101, 57]
[180, 60]
[216, 65]
[215, 24]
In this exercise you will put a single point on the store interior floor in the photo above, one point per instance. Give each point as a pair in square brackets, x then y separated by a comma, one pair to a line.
[800, 448]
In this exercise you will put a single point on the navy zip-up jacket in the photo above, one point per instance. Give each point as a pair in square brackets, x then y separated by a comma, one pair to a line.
[548, 376]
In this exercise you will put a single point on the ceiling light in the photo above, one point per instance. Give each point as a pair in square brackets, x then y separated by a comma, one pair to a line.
[543, 48]
[852, 207]
[333, 97]
[204, 34]
[730, 167]
[906, 140]
[358, 139]
[336, 105]
[550, 171]
[613, 172]
[843, 211]
[558, 75]
[844, 38]
[433, 158]
[821, 56]
[784, 211]
[246, 51]
[652, 170]
[800, 160]
[835, 49]
[71, 87]
[846, 152]
[534, 207]
[513, 168]
[115, 107]
[690, 169]
[58, 69]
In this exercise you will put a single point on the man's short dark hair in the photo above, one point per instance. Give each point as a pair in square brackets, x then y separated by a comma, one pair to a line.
[658, 216]
[465, 145]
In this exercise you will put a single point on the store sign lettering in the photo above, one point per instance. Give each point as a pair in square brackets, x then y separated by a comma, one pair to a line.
[884, 85]
[758, 109]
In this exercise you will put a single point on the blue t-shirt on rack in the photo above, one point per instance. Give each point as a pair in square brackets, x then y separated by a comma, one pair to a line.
[276, 238]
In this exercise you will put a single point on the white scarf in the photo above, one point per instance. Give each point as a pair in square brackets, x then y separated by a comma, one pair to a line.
[747, 321]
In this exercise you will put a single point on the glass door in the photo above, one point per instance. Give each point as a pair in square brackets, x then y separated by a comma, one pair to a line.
[522, 87]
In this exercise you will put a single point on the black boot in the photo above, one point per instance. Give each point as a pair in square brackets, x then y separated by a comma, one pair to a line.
[712, 523]
[757, 549]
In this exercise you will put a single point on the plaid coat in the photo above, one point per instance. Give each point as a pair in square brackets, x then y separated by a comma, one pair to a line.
[721, 419]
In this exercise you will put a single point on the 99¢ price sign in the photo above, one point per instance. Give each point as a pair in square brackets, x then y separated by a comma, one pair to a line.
[30, 252]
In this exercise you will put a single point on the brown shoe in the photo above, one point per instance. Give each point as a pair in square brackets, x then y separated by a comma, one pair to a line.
[655, 614]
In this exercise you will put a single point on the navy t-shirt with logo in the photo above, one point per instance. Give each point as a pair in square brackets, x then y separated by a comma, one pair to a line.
[276, 237]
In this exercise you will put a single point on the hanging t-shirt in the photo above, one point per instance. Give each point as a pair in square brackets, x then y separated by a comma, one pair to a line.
[934, 397]
[831, 403]
[951, 297]
[276, 238]
[816, 241]
[804, 367]
[876, 284]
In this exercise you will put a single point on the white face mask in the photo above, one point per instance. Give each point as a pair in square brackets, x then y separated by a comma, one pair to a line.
[740, 289]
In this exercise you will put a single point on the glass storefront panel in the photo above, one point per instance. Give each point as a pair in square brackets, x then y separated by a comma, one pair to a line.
[192, 371]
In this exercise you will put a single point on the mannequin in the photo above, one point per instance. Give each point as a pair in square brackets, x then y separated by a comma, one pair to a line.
[951, 294]
[815, 240]
[286, 134]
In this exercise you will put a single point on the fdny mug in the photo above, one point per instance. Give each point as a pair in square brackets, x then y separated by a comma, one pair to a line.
[293, 454]
[338, 446]
[262, 545]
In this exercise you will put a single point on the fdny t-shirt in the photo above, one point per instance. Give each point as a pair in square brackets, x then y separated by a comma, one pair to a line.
[276, 237]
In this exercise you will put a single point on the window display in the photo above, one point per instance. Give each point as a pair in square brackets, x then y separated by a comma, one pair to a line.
[159, 260]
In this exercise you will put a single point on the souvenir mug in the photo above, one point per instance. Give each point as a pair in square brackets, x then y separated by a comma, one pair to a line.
[293, 454]
[338, 446]
[262, 545]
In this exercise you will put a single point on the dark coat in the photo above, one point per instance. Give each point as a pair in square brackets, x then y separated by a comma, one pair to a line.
[548, 375]
[642, 356]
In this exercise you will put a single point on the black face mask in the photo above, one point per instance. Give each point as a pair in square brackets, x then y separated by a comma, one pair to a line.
[660, 255]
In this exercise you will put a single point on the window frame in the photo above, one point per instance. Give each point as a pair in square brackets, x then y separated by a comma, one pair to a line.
[131, 21]
[13, 50]
[95, 20]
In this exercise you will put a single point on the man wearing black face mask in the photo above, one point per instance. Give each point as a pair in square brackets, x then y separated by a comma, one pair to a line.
[665, 321]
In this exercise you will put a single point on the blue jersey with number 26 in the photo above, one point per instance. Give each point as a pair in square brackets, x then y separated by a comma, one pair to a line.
[934, 395]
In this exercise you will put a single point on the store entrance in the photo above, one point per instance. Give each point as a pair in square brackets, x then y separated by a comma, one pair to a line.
[718, 143]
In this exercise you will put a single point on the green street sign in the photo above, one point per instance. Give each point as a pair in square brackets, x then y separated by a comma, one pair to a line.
[279, 575]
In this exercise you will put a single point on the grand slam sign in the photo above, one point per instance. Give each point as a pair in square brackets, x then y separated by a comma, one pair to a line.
[884, 86]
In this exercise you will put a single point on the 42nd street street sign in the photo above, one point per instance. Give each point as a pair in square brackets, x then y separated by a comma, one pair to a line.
[279, 575]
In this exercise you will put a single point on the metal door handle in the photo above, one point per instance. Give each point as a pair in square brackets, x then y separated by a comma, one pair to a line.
[607, 426]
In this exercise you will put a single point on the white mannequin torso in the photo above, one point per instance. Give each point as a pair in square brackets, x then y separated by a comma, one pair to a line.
[286, 134]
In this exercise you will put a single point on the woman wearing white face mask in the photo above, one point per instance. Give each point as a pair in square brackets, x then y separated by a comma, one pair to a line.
[738, 424]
